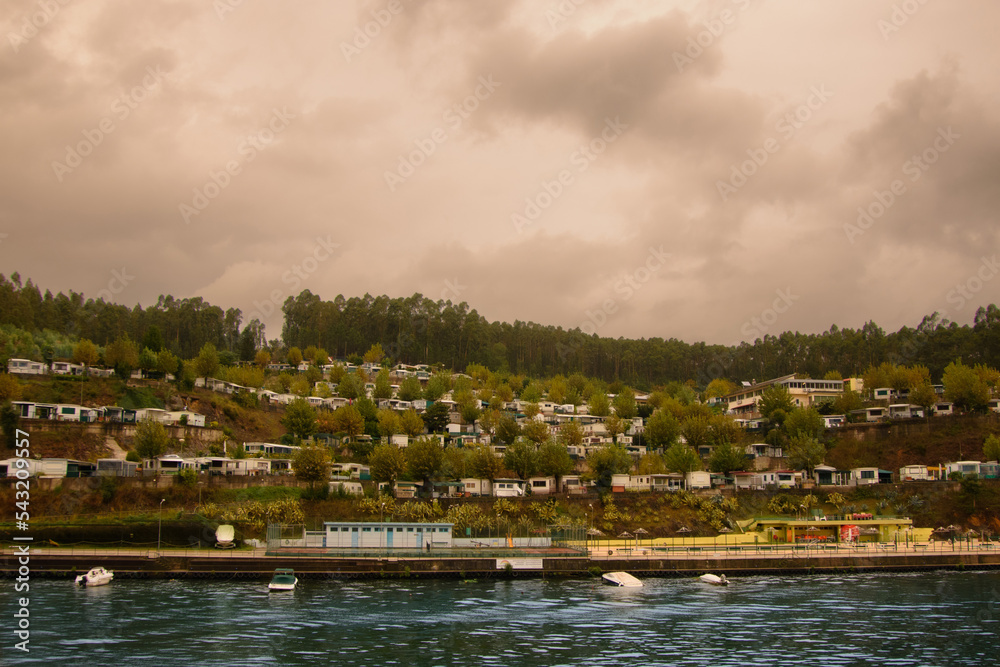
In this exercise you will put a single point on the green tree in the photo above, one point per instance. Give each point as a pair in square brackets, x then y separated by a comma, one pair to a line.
[727, 457]
[153, 340]
[532, 393]
[724, 429]
[805, 452]
[436, 417]
[262, 358]
[166, 362]
[624, 403]
[924, 396]
[848, 401]
[804, 422]
[375, 354]
[9, 423]
[10, 388]
[536, 431]
[388, 424]
[521, 458]
[507, 429]
[411, 423]
[600, 406]
[991, 448]
[775, 404]
[437, 386]
[607, 461]
[719, 387]
[484, 464]
[150, 439]
[469, 411]
[964, 387]
[148, 360]
[383, 387]
[651, 464]
[696, 431]
[554, 459]
[300, 418]
[410, 389]
[123, 356]
[615, 426]
[207, 361]
[680, 458]
[386, 463]
[312, 465]
[558, 389]
[294, 357]
[347, 419]
[350, 387]
[85, 352]
[424, 459]
[571, 434]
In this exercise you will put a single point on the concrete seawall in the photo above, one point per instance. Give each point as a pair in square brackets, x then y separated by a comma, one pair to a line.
[210, 565]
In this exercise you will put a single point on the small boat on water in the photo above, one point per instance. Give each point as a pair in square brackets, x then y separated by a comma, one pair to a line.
[714, 579]
[283, 580]
[97, 576]
[621, 579]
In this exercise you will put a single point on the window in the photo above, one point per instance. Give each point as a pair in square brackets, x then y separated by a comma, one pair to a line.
[442, 530]
[409, 530]
[354, 530]
[366, 530]
[399, 530]
[377, 530]
[867, 474]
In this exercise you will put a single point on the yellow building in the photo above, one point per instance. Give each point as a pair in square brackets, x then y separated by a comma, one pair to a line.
[842, 530]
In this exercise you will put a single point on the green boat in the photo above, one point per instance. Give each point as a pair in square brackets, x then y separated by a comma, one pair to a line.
[283, 580]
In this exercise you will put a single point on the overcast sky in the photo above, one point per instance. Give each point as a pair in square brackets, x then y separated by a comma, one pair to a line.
[638, 168]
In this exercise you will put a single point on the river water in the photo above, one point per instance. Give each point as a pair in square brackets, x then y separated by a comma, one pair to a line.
[942, 618]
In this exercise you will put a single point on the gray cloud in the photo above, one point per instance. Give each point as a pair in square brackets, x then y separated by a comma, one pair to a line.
[449, 222]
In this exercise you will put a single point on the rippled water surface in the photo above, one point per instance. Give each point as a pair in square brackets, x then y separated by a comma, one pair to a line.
[920, 619]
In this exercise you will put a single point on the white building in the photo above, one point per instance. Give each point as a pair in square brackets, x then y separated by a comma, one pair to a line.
[26, 367]
[386, 535]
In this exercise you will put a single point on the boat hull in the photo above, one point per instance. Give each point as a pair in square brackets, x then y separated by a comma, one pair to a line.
[623, 579]
[714, 580]
[96, 577]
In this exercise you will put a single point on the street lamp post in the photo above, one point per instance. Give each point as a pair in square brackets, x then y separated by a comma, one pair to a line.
[159, 527]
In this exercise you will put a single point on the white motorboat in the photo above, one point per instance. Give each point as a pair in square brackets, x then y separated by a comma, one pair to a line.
[621, 579]
[97, 576]
[283, 580]
[224, 535]
[715, 579]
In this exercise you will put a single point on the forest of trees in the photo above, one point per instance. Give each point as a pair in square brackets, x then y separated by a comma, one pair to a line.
[420, 330]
